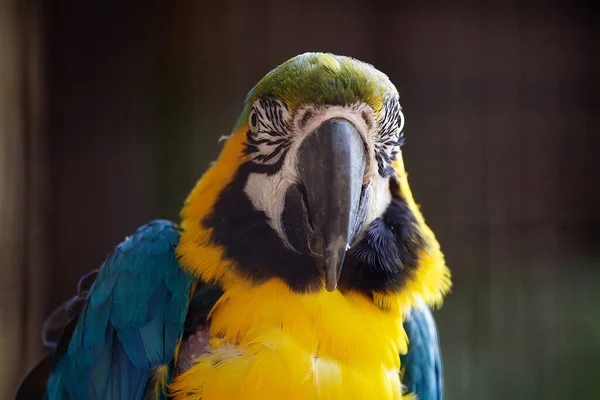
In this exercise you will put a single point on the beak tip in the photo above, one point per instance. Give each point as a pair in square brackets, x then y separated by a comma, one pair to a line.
[330, 286]
[335, 254]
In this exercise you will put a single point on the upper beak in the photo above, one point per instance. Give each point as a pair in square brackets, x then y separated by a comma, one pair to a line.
[332, 162]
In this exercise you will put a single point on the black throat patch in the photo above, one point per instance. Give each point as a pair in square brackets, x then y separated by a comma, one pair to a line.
[388, 252]
[248, 239]
[381, 261]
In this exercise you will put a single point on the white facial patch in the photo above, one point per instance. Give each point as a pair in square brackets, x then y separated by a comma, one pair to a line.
[277, 136]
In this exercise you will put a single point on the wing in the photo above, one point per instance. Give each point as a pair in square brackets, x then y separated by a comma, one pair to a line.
[422, 365]
[131, 321]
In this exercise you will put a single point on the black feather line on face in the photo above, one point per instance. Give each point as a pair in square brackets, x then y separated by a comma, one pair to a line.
[273, 131]
[388, 137]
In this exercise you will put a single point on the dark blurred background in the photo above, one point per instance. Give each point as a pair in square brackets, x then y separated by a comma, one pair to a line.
[110, 111]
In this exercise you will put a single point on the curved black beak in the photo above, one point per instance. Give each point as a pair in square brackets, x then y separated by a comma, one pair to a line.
[331, 162]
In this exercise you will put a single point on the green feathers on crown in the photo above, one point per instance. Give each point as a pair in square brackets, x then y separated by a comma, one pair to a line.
[322, 78]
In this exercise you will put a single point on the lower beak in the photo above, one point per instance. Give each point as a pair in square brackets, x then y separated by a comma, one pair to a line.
[331, 162]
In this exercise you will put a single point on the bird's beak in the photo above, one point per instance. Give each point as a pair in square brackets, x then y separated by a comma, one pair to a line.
[331, 163]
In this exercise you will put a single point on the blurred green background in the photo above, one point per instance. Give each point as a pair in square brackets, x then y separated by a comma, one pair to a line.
[110, 111]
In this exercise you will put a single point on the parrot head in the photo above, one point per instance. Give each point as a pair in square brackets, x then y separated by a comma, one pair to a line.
[310, 188]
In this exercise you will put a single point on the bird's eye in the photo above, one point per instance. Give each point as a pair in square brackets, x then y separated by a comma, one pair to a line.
[253, 120]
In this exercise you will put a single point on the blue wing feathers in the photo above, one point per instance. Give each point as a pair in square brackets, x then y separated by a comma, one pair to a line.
[132, 320]
[422, 364]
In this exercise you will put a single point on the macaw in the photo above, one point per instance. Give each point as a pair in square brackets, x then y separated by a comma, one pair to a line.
[301, 269]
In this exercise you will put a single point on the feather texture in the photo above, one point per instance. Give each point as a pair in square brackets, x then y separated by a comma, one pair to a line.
[422, 365]
[131, 323]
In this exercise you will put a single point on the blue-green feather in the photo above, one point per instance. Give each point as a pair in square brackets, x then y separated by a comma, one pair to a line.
[422, 364]
[131, 323]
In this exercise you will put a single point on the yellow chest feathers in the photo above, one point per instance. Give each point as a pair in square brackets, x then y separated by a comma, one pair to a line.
[270, 343]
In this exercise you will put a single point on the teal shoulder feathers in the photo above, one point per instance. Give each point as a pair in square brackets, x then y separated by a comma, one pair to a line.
[107, 341]
[422, 364]
[131, 322]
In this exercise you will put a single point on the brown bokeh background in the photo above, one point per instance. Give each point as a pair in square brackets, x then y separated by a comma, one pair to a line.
[109, 112]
